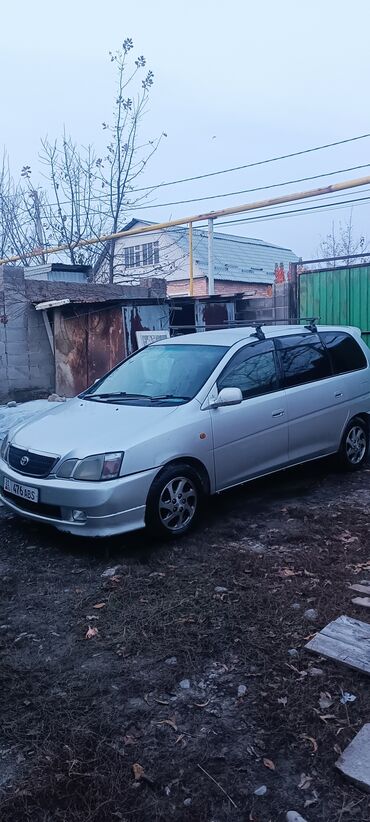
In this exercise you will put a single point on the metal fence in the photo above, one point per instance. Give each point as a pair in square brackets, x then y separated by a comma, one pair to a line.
[338, 296]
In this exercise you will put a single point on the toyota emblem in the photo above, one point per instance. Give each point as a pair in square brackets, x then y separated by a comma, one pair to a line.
[24, 461]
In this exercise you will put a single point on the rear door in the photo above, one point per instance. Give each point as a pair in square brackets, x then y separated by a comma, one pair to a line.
[250, 438]
[315, 411]
[351, 368]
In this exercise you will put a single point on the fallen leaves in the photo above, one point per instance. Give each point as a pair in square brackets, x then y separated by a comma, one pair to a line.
[138, 771]
[91, 633]
[305, 782]
[268, 763]
[325, 700]
[171, 722]
[287, 572]
[312, 740]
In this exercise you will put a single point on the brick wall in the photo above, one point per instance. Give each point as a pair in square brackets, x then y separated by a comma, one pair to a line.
[229, 288]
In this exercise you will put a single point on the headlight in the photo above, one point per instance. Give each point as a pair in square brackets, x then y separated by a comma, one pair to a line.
[92, 469]
[4, 447]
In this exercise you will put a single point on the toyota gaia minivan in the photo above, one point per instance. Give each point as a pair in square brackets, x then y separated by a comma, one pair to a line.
[187, 417]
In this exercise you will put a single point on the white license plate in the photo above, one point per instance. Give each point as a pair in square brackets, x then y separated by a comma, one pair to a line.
[23, 491]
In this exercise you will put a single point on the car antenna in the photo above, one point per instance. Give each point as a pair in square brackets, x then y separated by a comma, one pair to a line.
[258, 333]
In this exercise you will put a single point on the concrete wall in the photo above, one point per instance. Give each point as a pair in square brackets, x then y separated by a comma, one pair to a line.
[280, 307]
[26, 360]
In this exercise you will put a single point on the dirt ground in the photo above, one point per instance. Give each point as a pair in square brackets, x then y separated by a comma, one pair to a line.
[195, 672]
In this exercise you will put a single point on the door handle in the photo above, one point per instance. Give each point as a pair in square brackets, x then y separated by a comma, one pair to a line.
[278, 413]
[338, 394]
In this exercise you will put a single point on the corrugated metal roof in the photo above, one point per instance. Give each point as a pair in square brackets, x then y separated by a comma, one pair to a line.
[235, 258]
[58, 272]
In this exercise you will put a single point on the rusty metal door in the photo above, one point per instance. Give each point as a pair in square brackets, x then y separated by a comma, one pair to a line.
[70, 347]
[105, 347]
[87, 344]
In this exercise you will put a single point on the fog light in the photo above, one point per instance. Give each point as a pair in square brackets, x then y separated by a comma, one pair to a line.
[79, 516]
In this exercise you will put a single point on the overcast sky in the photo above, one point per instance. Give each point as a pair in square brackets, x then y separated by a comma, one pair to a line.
[235, 82]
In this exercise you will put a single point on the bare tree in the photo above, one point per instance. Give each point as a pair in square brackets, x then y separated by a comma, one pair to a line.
[21, 229]
[89, 195]
[342, 242]
[126, 158]
[73, 210]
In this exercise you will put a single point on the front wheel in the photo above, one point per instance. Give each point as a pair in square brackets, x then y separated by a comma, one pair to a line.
[174, 501]
[355, 445]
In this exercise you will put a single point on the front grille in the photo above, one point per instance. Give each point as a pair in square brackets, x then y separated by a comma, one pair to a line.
[34, 507]
[37, 465]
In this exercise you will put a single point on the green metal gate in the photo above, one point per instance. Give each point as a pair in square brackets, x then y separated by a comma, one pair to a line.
[338, 296]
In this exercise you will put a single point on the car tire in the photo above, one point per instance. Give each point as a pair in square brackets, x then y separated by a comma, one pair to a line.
[174, 501]
[354, 447]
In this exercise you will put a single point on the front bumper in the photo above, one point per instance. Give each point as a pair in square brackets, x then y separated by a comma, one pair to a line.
[112, 507]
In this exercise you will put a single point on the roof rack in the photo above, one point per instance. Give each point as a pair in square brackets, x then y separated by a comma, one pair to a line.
[258, 332]
[311, 325]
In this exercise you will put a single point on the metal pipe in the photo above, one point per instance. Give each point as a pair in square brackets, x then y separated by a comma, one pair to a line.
[337, 257]
[191, 270]
[211, 277]
[209, 215]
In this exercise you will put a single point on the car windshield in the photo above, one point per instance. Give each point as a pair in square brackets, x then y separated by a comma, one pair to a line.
[171, 373]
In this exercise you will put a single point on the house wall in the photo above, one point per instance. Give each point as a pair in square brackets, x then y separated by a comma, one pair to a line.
[227, 289]
[172, 258]
[26, 360]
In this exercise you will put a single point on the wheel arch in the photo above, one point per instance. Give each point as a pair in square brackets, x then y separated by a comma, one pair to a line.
[198, 465]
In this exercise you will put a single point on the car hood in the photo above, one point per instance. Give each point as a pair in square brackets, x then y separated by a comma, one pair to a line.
[82, 427]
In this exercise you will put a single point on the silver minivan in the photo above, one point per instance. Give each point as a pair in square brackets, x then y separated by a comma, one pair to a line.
[187, 417]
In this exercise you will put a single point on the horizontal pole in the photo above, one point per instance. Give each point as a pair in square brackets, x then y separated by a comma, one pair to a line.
[337, 257]
[225, 212]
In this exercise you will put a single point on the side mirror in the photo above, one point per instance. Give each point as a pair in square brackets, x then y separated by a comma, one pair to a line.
[227, 396]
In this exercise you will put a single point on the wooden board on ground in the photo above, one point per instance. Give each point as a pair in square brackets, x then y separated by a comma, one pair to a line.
[364, 601]
[346, 640]
[361, 589]
[354, 763]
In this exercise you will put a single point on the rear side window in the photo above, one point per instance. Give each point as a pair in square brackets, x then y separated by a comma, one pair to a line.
[345, 353]
[303, 358]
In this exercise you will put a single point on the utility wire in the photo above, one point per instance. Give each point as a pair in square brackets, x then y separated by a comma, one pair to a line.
[257, 163]
[295, 211]
[103, 197]
[250, 190]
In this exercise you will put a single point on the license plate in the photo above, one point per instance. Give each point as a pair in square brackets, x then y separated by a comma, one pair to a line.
[23, 491]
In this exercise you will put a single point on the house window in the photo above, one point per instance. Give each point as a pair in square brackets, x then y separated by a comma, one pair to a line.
[130, 257]
[146, 254]
[151, 253]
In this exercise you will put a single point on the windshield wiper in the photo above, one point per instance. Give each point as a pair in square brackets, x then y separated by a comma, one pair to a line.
[117, 395]
[169, 397]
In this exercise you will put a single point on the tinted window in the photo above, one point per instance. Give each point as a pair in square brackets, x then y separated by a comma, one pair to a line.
[253, 370]
[345, 353]
[303, 359]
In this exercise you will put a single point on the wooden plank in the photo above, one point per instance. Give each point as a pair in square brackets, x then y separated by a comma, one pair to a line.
[364, 601]
[349, 630]
[361, 589]
[354, 763]
[345, 640]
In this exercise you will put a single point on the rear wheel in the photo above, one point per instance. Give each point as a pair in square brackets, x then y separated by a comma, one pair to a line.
[355, 445]
[174, 501]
